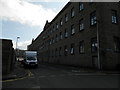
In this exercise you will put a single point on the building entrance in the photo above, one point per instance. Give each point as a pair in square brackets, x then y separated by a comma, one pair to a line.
[95, 62]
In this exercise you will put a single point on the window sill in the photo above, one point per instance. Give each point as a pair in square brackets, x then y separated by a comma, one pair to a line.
[61, 25]
[81, 10]
[66, 21]
[72, 34]
[72, 54]
[115, 23]
[81, 30]
[94, 25]
[72, 17]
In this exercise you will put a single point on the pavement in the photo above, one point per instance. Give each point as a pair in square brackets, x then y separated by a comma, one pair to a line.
[84, 70]
[105, 72]
[20, 72]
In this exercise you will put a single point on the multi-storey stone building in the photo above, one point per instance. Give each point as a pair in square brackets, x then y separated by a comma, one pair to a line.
[85, 34]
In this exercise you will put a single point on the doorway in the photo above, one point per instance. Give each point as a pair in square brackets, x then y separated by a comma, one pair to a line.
[95, 62]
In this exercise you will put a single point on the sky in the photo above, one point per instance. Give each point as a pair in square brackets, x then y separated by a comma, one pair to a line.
[26, 19]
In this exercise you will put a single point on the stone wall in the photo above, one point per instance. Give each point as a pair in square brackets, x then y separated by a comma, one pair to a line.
[8, 56]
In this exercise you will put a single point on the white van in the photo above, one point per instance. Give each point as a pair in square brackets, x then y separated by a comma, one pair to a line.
[30, 58]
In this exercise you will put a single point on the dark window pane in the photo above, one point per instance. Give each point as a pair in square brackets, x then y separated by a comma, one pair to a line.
[81, 6]
[72, 12]
[65, 50]
[81, 27]
[93, 18]
[72, 49]
[81, 47]
[114, 16]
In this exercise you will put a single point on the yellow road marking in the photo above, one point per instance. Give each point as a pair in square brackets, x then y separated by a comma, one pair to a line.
[14, 79]
[29, 73]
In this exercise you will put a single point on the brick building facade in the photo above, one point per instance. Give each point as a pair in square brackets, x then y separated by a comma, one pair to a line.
[74, 35]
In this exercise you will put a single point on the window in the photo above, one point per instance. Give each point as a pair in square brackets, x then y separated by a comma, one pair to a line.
[117, 44]
[50, 42]
[81, 6]
[65, 50]
[56, 38]
[66, 33]
[72, 30]
[60, 35]
[61, 22]
[56, 52]
[72, 12]
[72, 49]
[93, 18]
[81, 24]
[66, 17]
[57, 26]
[53, 40]
[94, 44]
[60, 51]
[53, 28]
[114, 16]
[52, 53]
[81, 47]
[50, 30]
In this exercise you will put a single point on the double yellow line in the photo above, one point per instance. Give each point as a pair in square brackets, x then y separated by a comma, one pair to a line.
[29, 74]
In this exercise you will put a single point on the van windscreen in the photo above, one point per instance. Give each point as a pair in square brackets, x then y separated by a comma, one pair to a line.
[31, 58]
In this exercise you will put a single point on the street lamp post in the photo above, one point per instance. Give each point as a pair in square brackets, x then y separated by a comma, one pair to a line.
[16, 46]
[17, 41]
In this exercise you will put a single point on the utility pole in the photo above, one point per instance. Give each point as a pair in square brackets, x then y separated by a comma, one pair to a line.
[16, 45]
[17, 41]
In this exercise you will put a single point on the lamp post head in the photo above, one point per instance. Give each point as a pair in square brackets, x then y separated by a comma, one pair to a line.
[18, 37]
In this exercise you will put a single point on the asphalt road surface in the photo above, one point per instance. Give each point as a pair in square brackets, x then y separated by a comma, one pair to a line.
[50, 76]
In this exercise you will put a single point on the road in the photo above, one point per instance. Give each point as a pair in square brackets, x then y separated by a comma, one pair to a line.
[50, 76]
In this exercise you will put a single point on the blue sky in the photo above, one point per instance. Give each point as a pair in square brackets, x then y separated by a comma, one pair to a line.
[26, 19]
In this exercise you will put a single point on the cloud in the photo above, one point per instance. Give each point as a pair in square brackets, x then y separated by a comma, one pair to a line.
[25, 12]
[47, 0]
[73, 0]
[22, 44]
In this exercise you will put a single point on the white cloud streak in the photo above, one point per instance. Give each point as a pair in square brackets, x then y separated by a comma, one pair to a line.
[22, 44]
[94, 0]
[72, 0]
[47, 0]
[25, 12]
